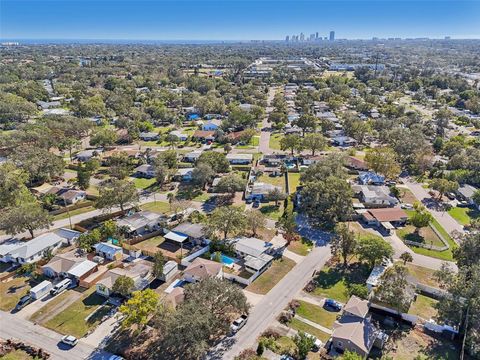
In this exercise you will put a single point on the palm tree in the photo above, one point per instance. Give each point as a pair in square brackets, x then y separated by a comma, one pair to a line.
[406, 257]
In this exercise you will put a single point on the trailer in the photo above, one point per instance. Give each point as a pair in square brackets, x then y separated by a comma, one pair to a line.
[41, 289]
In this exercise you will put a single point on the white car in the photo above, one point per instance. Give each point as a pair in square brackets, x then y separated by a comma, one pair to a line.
[69, 340]
[407, 206]
[317, 343]
[238, 324]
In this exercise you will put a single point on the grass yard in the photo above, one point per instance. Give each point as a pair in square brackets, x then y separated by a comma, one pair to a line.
[143, 183]
[316, 314]
[12, 290]
[301, 326]
[334, 282]
[293, 181]
[157, 206]
[17, 355]
[464, 215]
[274, 180]
[72, 319]
[274, 142]
[50, 306]
[425, 236]
[271, 211]
[407, 196]
[422, 275]
[423, 307]
[73, 212]
[150, 244]
[301, 247]
[265, 282]
[254, 141]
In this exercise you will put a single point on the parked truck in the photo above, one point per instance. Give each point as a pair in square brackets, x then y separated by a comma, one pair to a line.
[40, 290]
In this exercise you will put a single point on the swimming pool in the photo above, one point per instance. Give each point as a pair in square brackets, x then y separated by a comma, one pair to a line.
[227, 260]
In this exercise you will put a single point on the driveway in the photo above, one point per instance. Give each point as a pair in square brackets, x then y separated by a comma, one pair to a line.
[444, 218]
[265, 312]
[13, 327]
[32, 308]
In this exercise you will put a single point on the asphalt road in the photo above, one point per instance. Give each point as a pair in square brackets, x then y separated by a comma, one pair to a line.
[265, 312]
[13, 327]
[264, 143]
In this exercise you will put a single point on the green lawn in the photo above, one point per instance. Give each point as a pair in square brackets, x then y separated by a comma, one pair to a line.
[293, 181]
[334, 282]
[301, 247]
[11, 291]
[316, 314]
[425, 236]
[142, 183]
[265, 282]
[50, 306]
[423, 307]
[72, 320]
[274, 180]
[464, 215]
[150, 244]
[301, 326]
[422, 275]
[271, 211]
[17, 355]
[254, 141]
[73, 212]
[157, 206]
[275, 141]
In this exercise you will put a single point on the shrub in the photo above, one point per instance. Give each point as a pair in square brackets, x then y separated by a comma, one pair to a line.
[260, 348]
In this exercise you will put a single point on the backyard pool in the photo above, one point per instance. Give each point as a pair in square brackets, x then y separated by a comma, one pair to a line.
[226, 260]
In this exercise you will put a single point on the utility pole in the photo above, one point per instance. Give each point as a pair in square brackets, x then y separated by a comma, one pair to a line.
[68, 211]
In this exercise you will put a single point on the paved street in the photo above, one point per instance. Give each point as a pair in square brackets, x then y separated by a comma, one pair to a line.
[264, 145]
[265, 312]
[13, 327]
[447, 222]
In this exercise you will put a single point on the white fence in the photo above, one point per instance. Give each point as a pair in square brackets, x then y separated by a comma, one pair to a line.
[187, 260]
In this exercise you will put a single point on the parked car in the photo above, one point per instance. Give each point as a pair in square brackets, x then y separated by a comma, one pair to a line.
[62, 285]
[256, 204]
[407, 206]
[248, 200]
[317, 343]
[333, 304]
[238, 324]
[451, 196]
[69, 340]
[24, 301]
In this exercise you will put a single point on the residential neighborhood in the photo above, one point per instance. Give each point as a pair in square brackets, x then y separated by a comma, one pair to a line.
[313, 198]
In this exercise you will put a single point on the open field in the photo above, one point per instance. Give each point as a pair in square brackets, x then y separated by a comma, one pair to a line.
[301, 247]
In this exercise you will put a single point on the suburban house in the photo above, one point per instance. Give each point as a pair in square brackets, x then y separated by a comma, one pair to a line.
[170, 268]
[370, 178]
[254, 252]
[181, 136]
[192, 156]
[343, 141]
[204, 135]
[212, 125]
[375, 196]
[386, 219]
[260, 191]
[194, 232]
[149, 136]
[201, 269]
[108, 251]
[183, 174]
[140, 271]
[356, 164]
[145, 171]
[354, 331]
[310, 160]
[69, 265]
[22, 252]
[240, 159]
[142, 222]
[374, 277]
[465, 193]
[235, 136]
[71, 196]
[86, 155]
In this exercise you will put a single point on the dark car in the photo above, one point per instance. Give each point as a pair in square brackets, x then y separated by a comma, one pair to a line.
[256, 204]
[333, 304]
[249, 200]
[24, 301]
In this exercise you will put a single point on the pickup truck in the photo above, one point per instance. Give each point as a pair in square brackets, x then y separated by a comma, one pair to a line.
[238, 324]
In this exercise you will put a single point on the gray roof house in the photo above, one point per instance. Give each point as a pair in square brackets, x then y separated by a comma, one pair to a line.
[375, 196]
[465, 192]
[142, 222]
[145, 170]
[254, 252]
[31, 251]
[260, 190]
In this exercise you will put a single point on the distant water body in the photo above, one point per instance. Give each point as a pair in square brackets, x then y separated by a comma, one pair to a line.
[118, 41]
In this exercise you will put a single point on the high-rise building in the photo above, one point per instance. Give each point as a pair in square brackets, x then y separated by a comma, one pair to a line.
[302, 36]
[312, 37]
[316, 35]
[332, 35]
[287, 38]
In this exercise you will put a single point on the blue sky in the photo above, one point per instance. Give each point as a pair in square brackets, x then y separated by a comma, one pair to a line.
[236, 19]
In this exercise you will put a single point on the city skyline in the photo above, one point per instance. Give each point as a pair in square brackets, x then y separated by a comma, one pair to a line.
[233, 20]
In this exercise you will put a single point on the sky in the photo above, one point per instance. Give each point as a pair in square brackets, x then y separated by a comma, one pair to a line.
[236, 19]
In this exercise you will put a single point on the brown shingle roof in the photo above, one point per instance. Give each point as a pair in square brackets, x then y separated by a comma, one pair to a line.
[390, 214]
[356, 306]
[203, 268]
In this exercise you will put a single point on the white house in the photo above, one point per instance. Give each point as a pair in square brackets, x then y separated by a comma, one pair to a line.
[140, 271]
[212, 125]
[86, 155]
[243, 159]
[69, 265]
[254, 252]
[149, 136]
[31, 251]
[108, 251]
[145, 170]
[72, 196]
